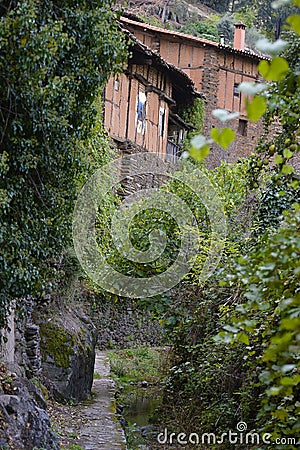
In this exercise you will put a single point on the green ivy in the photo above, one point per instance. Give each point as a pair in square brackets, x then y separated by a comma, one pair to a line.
[269, 315]
[54, 60]
[194, 115]
[204, 29]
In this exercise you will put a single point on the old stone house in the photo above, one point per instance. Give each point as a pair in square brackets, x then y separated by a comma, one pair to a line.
[144, 104]
[216, 69]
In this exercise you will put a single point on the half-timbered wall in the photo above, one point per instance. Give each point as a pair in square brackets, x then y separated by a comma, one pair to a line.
[216, 72]
[134, 111]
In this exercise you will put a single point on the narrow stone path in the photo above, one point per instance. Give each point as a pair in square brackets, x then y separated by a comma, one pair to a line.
[101, 429]
[92, 425]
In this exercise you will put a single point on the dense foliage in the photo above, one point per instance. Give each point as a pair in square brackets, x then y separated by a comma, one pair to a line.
[220, 6]
[194, 115]
[203, 29]
[258, 16]
[265, 18]
[54, 60]
[53, 63]
[236, 353]
[269, 314]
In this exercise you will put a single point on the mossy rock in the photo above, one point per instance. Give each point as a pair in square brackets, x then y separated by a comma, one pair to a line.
[68, 354]
[56, 343]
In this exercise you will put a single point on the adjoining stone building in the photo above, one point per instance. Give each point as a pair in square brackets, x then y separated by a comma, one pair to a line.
[216, 71]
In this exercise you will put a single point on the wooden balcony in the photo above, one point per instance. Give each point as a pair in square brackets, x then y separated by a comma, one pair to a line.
[173, 152]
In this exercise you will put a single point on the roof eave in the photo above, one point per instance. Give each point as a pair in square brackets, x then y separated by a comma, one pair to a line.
[204, 42]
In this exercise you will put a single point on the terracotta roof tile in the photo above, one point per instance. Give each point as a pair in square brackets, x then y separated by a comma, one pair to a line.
[247, 52]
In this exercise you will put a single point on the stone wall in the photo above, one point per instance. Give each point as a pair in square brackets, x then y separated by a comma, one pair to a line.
[7, 343]
[123, 324]
[247, 132]
[24, 421]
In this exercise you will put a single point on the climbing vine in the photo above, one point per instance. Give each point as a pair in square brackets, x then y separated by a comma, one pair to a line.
[54, 60]
[194, 115]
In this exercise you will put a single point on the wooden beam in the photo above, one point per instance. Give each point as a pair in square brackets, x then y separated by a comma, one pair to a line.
[151, 88]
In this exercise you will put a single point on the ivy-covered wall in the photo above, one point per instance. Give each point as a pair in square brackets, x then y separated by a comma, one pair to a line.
[54, 60]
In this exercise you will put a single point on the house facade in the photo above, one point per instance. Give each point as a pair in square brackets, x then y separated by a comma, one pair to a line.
[216, 71]
[143, 104]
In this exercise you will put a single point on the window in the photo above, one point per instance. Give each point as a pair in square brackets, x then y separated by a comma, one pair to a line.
[162, 121]
[243, 125]
[236, 90]
[155, 44]
[141, 113]
[116, 84]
